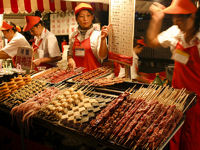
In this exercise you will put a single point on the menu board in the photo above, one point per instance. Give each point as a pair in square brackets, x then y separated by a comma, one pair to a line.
[121, 16]
[72, 23]
[63, 23]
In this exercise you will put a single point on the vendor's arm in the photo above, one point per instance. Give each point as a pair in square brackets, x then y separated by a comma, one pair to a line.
[4, 55]
[53, 50]
[154, 27]
[137, 49]
[40, 61]
[71, 62]
[103, 50]
[10, 50]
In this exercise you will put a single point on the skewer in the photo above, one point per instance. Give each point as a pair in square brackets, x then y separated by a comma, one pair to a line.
[134, 148]
[59, 85]
[87, 91]
[87, 87]
[182, 104]
[169, 100]
[189, 104]
[129, 90]
[179, 95]
[162, 97]
[146, 146]
[184, 100]
[153, 96]
[82, 88]
[63, 87]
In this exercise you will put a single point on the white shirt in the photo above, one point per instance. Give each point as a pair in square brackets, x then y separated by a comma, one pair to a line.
[134, 67]
[173, 35]
[17, 41]
[95, 41]
[49, 45]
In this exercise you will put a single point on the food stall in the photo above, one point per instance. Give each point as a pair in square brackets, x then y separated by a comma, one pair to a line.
[91, 109]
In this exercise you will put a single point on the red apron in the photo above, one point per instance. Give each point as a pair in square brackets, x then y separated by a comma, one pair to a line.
[87, 61]
[188, 76]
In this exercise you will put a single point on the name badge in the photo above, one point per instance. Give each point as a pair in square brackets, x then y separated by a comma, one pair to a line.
[181, 56]
[80, 52]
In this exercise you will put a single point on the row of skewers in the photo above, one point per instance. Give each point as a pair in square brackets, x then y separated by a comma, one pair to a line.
[96, 77]
[73, 108]
[55, 75]
[93, 74]
[141, 120]
[136, 119]
[7, 88]
[68, 106]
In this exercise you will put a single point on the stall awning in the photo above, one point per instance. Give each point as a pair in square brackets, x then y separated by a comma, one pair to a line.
[29, 6]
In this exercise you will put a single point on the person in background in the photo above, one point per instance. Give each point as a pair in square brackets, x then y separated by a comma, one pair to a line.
[140, 44]
[87, 45]
[119, 70]
[45, 45]
[184, 40]
[18, 28]
[15, 40]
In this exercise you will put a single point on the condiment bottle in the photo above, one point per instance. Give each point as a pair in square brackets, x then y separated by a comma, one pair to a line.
[157, 80]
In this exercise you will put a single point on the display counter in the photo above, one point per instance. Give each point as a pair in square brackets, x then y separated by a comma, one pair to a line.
[95, 117]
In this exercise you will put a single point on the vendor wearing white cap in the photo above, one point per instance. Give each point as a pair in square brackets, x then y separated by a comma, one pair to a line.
[45, 46]
[184, 40]
[15, 40]
[87, 45]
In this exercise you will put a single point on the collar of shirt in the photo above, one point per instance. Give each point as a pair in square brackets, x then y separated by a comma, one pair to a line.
[42, 36]
[84, 35]
[198, 35]
[194, 41]
[16, 34]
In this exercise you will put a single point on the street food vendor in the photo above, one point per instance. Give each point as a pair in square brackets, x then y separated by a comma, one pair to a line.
[45, 45]
[88, 46]
[15, 40]
[184, 40]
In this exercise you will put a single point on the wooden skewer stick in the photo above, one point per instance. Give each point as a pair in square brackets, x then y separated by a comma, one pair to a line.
[182, 104]
[189, 104]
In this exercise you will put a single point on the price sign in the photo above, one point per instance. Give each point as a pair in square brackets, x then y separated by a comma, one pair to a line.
[24, 57]
[121, 16]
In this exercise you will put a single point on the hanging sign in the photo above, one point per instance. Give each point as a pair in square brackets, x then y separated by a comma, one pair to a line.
[59, 23]
[121, 16]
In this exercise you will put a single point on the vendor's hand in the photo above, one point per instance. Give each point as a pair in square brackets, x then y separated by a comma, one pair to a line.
[105, 31]
[156, 10]
[138, 49]
[36, 62]
[71, 64]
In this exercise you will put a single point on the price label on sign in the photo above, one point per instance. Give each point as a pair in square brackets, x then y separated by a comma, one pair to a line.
[24, 57]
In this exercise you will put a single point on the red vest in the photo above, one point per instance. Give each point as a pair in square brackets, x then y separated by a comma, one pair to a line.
[188, 76]
[88, 61]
